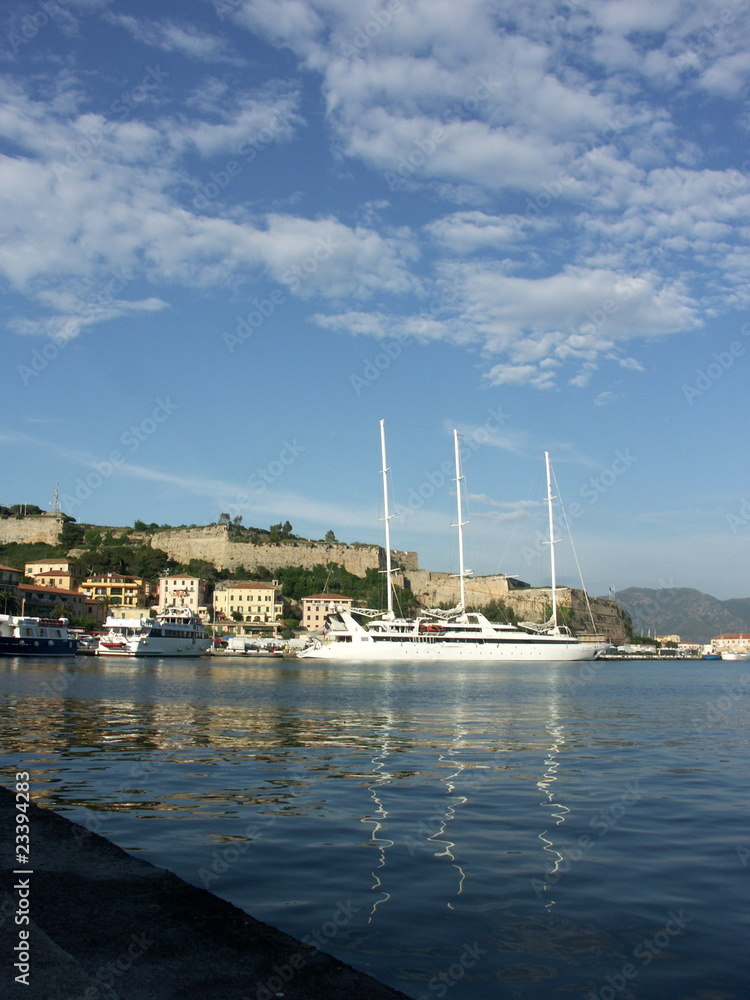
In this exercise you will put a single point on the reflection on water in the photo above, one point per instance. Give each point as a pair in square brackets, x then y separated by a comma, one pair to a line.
[556, 809]
[515, 833]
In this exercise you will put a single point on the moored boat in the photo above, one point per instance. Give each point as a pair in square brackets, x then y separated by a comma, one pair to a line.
[451, 635]
[23, 636]
[175, 632]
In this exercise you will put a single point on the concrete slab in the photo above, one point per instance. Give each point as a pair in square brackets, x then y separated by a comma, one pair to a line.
[105, 925]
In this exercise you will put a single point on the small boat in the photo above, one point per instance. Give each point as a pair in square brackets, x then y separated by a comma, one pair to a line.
[737, 654]
[87, 644]
[175, 632]
[20, 636]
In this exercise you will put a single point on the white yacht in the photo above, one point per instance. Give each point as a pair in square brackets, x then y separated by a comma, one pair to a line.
[22, 636]
[447, 635]
[175, 632]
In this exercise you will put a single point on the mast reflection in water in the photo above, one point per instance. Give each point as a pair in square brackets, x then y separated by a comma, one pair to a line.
[468, 831]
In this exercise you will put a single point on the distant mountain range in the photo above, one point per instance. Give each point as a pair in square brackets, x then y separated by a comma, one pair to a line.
[694, 616]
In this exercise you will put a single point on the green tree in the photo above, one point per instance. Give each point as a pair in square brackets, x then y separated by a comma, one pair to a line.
[9, 601]
[71, 535]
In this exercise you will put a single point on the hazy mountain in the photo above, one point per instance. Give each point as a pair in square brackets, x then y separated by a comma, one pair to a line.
[694, 616]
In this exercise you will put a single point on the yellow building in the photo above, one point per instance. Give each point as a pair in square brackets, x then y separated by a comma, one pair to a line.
[258, 604]
[61, 573]
[114, 589]
[316, 607]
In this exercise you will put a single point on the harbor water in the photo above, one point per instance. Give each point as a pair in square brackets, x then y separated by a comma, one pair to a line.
[476, 832]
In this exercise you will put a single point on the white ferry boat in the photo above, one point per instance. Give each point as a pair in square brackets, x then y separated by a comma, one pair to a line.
[175, 632]
[447, 635]
[21, 636]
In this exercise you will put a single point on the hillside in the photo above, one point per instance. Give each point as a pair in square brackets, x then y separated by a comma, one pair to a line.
[691, 614]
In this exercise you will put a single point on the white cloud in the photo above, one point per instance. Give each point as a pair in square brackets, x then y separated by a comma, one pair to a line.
[173, 37]
[464, 232]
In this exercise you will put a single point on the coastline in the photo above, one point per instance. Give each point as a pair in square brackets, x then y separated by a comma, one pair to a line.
[104, 925]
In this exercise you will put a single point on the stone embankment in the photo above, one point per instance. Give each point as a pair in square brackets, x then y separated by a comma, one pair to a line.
[529, 603]
[104, 925]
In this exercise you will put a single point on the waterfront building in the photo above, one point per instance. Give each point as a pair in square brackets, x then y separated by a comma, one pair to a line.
[317, 606]
[731, 642]
[62, 573]
[113, 588]
[45, 602]
[120, 611]
[10, 600]
[183, 592]
[248, 608]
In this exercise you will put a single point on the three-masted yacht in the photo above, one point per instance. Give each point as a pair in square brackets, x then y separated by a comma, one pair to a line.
[446, 635]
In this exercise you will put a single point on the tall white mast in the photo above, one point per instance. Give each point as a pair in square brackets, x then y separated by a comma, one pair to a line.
[552, 542]
[387, 518]
[460, 525]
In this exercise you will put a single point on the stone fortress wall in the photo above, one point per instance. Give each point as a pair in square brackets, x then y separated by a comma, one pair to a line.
[529, 603]
[213, 544]
[33, 528]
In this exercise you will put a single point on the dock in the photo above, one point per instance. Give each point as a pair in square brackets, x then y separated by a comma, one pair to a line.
[101, 924]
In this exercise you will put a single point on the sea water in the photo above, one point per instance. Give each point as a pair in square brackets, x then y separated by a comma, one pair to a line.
[475, 831]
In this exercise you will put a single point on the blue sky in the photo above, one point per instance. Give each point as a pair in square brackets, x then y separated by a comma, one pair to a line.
[235, 235]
